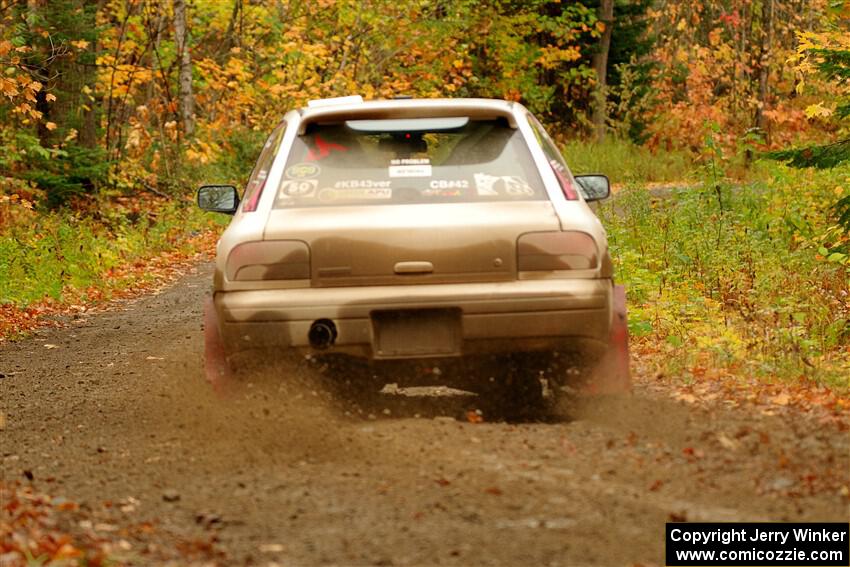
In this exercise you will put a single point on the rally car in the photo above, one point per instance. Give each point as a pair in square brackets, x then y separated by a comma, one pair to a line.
[418, 234]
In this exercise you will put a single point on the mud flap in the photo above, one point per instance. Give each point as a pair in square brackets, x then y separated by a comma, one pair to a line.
[216, 368]
[611, 375]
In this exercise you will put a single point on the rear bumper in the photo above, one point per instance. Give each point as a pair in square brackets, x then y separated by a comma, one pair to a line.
[494, 317]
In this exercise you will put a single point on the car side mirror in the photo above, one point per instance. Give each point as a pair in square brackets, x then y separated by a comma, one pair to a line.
[218, 198]
[594, 187]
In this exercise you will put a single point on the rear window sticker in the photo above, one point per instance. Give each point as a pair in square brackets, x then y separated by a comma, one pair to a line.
[517, 186]
[449, 184]
[362, 184]
[410, 171]
[323, 149]
[303, 171]
[442, 193]
[299, 188]
[410, 167]
[492, 185]
[329, 194]
[485, 184]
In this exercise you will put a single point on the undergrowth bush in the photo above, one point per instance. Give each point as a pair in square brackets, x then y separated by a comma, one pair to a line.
[624, 162]
[743, 276]
[44, 254]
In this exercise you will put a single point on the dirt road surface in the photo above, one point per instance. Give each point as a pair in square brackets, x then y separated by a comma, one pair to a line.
[112, 412]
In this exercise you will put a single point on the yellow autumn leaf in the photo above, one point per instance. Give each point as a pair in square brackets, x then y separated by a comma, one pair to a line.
[49, 97]
[50, 125]
[818, 110]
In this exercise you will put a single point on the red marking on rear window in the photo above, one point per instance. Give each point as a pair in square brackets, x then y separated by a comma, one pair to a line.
[324, 149]
[254, 199]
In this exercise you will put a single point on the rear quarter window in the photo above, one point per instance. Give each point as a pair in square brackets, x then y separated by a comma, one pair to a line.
[556, 160]
[257, 181]
[423, 160]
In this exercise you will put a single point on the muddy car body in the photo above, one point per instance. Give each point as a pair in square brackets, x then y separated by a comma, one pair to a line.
[413, 230]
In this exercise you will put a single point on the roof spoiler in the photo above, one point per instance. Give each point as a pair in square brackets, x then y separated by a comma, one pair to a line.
[475, 109]
[321, 102]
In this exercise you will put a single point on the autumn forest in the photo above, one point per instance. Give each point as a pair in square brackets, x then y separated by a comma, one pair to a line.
[724, 127]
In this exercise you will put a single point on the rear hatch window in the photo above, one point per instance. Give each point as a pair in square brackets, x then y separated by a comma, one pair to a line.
[421, 160]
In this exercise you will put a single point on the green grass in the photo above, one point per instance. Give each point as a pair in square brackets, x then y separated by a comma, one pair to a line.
[62, 250]
[626, 163]
[736, 276]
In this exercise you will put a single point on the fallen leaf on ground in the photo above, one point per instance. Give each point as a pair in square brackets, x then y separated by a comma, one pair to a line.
[473, 416]
[726, 442]
[781, 399]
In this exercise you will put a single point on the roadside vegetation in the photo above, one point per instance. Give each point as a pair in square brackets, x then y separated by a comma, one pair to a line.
[625, 162]
[61, 254]
[738, 277]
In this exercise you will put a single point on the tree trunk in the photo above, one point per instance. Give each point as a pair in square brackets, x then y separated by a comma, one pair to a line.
[68, 74]
[181, 38]
[764, 67]
[600, 65]
[90, 107]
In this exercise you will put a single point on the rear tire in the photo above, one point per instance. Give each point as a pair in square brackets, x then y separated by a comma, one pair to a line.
[514, 391]
[598, 369]
[216, 367]
[611, 376]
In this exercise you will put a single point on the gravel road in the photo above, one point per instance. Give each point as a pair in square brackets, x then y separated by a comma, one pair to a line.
[112, 412]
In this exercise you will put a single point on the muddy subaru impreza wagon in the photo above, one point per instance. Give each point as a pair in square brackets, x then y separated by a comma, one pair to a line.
[408, 237]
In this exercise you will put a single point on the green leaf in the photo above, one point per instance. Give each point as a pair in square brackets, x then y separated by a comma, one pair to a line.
[640, 328]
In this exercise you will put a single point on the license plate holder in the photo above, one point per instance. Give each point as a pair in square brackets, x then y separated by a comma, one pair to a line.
[416, 332]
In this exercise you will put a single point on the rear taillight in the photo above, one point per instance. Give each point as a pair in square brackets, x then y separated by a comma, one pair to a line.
[547, 251]
[269, 260]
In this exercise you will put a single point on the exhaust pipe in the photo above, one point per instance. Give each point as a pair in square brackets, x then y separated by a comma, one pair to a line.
[322, 334]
